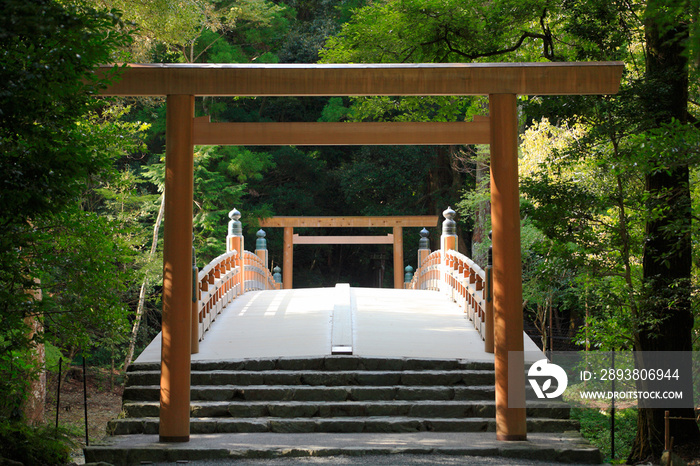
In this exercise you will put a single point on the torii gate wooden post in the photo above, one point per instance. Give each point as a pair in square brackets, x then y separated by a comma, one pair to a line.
[177, 271]
[507, 280]
[501, 81]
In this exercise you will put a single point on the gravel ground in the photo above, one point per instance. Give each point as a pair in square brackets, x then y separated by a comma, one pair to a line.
[371, 460]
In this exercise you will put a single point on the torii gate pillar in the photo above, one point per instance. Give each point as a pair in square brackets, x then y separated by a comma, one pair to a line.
[507, 270]
[177, 270]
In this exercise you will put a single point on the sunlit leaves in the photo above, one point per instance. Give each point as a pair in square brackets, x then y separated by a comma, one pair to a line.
[440, 31]
[180, 24]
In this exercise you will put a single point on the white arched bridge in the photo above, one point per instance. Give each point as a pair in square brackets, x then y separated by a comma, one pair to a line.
[444, 310]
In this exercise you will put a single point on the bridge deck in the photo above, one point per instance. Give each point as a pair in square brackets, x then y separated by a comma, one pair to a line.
[299, 323]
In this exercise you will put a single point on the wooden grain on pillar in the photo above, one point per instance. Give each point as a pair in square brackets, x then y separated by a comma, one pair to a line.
[398, 258]
[507, 271]
[177, 271]
[288, 258]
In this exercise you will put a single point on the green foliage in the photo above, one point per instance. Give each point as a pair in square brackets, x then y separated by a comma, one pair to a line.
[46, 65]
[399, 31]
[17, 368]
[81, 263]
[335, 110]
[34, 445]
[423, 108]
[386, 180]
[315, 21]
[57, 145]
[298, 184]
[220, 176]
[595, 427]
[185, 30]
[593, 32]
[53, 355]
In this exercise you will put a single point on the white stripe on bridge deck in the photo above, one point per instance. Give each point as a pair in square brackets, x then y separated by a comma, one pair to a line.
[298, 323]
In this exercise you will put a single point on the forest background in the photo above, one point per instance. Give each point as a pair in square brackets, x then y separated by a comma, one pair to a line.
[609, 184]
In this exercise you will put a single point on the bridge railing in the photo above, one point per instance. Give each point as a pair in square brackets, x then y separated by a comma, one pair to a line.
[465, 282]
[427, 275]
[228, 276]
[257, 275]
[451, 272]
[219, 284]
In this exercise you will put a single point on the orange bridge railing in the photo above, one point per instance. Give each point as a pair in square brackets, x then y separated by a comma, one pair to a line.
[450, 272]
[228, 276]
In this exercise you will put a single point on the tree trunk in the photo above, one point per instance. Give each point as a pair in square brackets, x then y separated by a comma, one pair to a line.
[481, 215]
[142, 293]
[667, 250]
[33, 405]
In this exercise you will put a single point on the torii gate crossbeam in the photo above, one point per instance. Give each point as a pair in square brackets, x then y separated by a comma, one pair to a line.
[502, 82]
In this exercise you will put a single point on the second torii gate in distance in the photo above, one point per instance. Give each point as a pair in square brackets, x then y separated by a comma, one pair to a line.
[397, 223]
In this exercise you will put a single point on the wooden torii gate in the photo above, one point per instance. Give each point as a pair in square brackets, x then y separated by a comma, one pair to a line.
[397, 223]
[502, 82]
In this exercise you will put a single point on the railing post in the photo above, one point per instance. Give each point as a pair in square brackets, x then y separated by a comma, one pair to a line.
[277, 275]
[488, 294]
[261, 247]
[235, 230]
[234, 241]
[423, 247]
[448, 242]
[408, 275]
[423, 253]
[288, 257]
[398, 256]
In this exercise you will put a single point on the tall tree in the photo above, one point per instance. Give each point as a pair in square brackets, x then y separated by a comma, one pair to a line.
[49, 52]
[667, 256]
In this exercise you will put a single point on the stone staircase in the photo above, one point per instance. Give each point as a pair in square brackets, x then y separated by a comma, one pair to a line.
[334, 394]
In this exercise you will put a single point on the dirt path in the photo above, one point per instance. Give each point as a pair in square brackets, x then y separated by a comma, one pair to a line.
[103, 405]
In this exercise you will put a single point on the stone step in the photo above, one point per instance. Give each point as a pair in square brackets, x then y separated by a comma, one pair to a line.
[296, 409]
[328, 363]
[399, 424]
[324, 378]
[377, 448]
[320, 393]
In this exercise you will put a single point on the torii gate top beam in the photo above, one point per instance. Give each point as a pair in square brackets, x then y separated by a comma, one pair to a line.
[366, 79]
[340, 222]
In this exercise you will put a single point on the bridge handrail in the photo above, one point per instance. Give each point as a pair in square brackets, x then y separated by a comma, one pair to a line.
[427, 275]
[257, 275]
[463, 280]
[456, 275]
[218, 284]
[224, 279]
